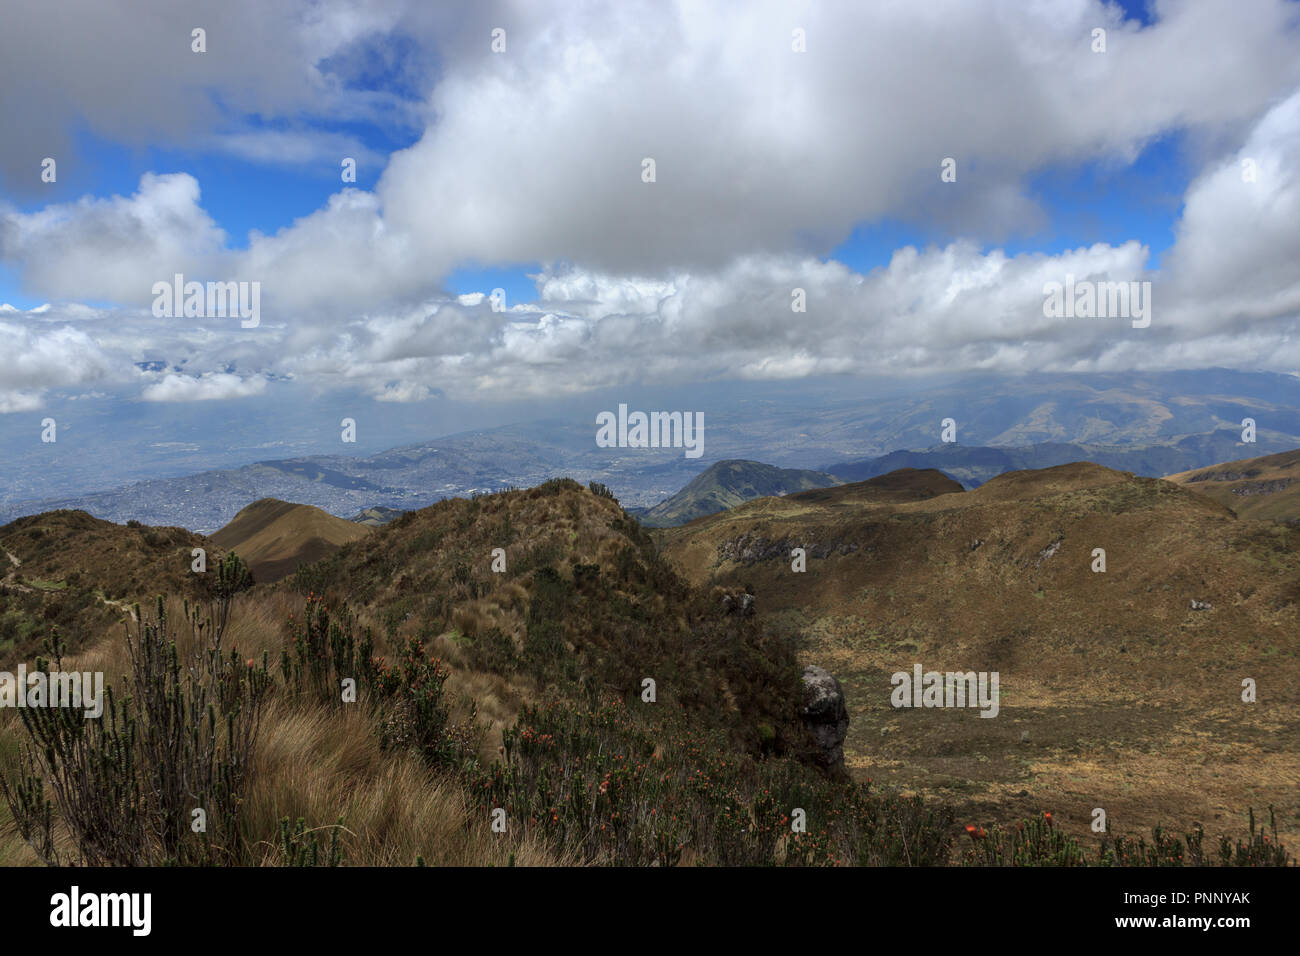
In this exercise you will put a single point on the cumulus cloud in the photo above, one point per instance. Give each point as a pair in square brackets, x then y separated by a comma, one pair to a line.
[537, 154]
[114, 249]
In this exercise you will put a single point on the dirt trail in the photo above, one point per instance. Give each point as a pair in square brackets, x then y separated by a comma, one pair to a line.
[9, 582]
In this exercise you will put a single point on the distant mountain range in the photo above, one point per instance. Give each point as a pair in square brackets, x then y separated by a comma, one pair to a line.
[729, 483]
[1163, 423]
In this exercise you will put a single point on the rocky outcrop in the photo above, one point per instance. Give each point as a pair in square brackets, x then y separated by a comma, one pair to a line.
[1262, 487]
[749, 548]
[1048, 551]
[742, 604]
[825, 714]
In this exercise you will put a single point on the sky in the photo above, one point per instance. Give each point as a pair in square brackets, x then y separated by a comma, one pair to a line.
[798, 147]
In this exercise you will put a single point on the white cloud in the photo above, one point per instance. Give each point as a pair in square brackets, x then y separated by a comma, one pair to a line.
[766, 159]
[274, 61]
[115, 249]
[211, 386]
[46, 355]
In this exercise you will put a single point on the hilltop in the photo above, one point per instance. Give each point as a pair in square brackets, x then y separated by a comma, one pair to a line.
[1265, 487]
[726, 484]
[1115, 677]
[276, 537]
[576, 577]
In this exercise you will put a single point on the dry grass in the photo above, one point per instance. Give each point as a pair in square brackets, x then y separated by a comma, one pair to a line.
[325, 765]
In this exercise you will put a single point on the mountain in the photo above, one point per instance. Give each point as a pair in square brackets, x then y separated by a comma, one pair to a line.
[1264, 487]
[616, 695]
[905, 484]
[726, 484]
[1110, 680]
[376, 516]
[974, 465]
[275, 537]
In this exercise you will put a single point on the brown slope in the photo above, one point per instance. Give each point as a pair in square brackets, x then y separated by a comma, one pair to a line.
[1131, 698]
[692, 547]
[77, 573]
[275, 537]
[1266, 487]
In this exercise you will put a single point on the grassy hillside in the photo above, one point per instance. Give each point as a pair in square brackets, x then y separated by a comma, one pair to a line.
[1265, 487]
[726, 484]
[582, 596]
[276, 537]
[70, 571]
[1115, 692]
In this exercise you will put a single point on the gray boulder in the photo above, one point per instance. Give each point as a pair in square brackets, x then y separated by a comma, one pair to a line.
[825, 714]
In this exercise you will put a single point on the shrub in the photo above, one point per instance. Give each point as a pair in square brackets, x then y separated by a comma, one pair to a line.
[601, 491]
[179, 737]
[493, 651]
[408, 700]
[1031, 843]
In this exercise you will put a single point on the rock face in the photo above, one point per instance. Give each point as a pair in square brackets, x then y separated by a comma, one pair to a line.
[825, 713]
